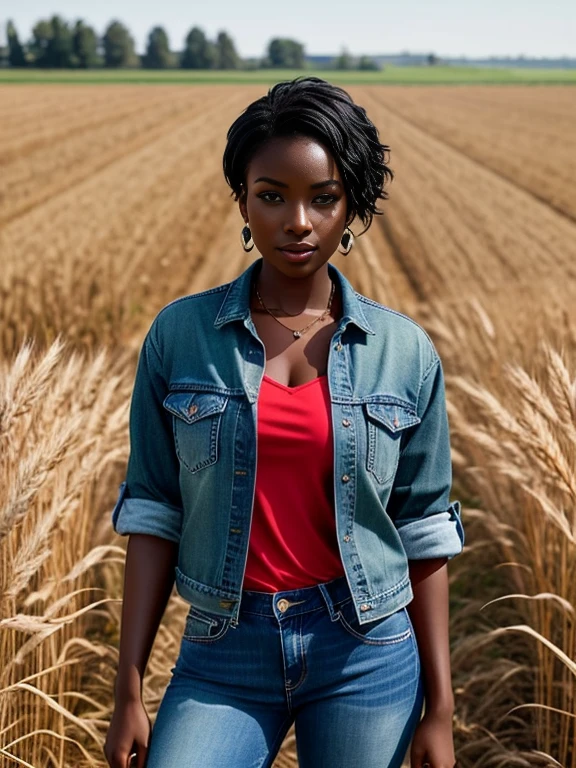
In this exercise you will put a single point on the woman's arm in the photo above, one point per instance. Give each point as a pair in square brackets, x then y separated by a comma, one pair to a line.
[148, 582]
[433, 741]
[429, 615]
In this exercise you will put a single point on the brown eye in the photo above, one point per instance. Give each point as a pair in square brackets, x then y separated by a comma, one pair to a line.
[326, 199]
[265, 196]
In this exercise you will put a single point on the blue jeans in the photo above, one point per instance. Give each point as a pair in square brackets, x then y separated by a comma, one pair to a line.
[354, 692]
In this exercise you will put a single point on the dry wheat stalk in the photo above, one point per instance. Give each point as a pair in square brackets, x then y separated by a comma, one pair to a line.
[63, 429]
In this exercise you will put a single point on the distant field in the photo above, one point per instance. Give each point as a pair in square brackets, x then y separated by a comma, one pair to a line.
[391, 76]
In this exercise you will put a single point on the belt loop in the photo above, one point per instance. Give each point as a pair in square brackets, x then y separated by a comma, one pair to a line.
[329, 599]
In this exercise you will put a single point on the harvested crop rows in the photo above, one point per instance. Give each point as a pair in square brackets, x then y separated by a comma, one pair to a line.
[112, 203]
[525, 135]
[457, 223]
[97, 181]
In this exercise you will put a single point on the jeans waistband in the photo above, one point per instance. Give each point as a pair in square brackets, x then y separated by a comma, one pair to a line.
[293, 601]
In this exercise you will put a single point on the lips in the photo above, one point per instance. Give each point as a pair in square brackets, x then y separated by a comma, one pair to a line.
[296, 257]
[298, 247]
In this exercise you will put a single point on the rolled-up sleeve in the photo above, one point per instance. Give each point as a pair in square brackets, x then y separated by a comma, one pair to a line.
[427, 523]
[149, 500]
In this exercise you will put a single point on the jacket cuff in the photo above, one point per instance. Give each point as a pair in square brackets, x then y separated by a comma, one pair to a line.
[146, 516]
[437, 535]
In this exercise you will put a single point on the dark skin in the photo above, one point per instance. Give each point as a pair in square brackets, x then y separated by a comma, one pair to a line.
[279, 215]
[292, 211]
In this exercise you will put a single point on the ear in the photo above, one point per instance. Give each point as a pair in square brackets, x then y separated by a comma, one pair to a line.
[242, 204]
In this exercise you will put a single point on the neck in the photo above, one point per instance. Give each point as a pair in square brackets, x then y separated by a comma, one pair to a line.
[294, 295]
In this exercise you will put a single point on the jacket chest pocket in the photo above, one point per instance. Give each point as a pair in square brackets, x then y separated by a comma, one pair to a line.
[385, 424]
[197, 425]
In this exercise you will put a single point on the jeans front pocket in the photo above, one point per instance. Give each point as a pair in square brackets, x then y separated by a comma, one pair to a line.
[386, 421]
[197, 418]
[204, 626]
[394, 628]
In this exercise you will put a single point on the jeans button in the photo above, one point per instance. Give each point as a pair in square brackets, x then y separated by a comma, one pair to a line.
[282, 605]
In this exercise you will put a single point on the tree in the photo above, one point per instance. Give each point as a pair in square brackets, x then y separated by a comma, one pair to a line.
[85, 46]
[227, 58]
[16, 55]
[118, 46]
[52, 44]
[286, 53]
[367, 64]
[199, 52]
[157, 54]
[39, 45]
[60, 49]
[344, 61]
[432, 59]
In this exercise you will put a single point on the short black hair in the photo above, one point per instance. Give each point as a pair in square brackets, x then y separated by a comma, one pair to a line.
[314, 107]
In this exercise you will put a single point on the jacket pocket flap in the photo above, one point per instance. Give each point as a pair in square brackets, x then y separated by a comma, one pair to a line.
[192, 406]
[394, 416]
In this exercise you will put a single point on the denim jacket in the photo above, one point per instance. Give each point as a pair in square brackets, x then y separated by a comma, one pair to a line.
[193, 432]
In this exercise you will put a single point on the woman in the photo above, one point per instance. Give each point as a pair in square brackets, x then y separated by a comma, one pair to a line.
[290, 467]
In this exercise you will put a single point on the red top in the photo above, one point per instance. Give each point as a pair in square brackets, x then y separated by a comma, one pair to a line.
[293, 537]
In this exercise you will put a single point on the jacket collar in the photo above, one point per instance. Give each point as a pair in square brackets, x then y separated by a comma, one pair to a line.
[236, 303]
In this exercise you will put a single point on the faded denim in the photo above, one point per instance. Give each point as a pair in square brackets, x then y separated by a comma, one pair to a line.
[192, 464]
[354, 691]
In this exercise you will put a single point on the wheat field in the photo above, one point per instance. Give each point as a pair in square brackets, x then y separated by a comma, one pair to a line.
[112, 203]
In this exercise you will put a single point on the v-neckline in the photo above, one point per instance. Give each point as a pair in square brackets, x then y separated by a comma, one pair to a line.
[298, 387]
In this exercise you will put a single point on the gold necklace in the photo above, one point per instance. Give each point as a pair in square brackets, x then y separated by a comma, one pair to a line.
[300, 331]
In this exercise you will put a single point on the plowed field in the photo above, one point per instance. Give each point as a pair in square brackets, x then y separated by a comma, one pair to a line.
[114, 195]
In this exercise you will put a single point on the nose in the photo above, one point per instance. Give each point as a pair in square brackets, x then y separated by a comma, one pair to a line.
[298, 221]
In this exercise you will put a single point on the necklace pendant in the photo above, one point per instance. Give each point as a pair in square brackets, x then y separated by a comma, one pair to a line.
[296, 334]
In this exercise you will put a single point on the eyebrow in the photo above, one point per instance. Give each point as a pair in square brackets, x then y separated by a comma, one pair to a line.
[327, 183]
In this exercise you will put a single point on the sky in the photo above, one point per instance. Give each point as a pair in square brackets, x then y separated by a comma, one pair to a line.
[473, 28]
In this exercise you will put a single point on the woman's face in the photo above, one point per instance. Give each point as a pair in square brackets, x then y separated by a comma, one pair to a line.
[295, 204]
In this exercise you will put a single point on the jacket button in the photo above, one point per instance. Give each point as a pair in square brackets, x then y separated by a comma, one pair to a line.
[346, 538]
[338, 347]
[345, 478]
[345, 423]
[192, 410]
[365, 607]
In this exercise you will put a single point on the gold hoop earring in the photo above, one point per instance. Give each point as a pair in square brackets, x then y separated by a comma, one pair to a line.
[346, 242]
[246, 238]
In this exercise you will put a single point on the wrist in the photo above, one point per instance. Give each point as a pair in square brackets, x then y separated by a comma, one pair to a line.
[128, 687]
[124, 697]
[442, 708]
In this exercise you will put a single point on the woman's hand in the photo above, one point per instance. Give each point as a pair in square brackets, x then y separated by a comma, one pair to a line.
[129, 733]
[433, 743]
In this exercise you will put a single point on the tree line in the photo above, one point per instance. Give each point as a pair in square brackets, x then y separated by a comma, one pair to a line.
[57, 44]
